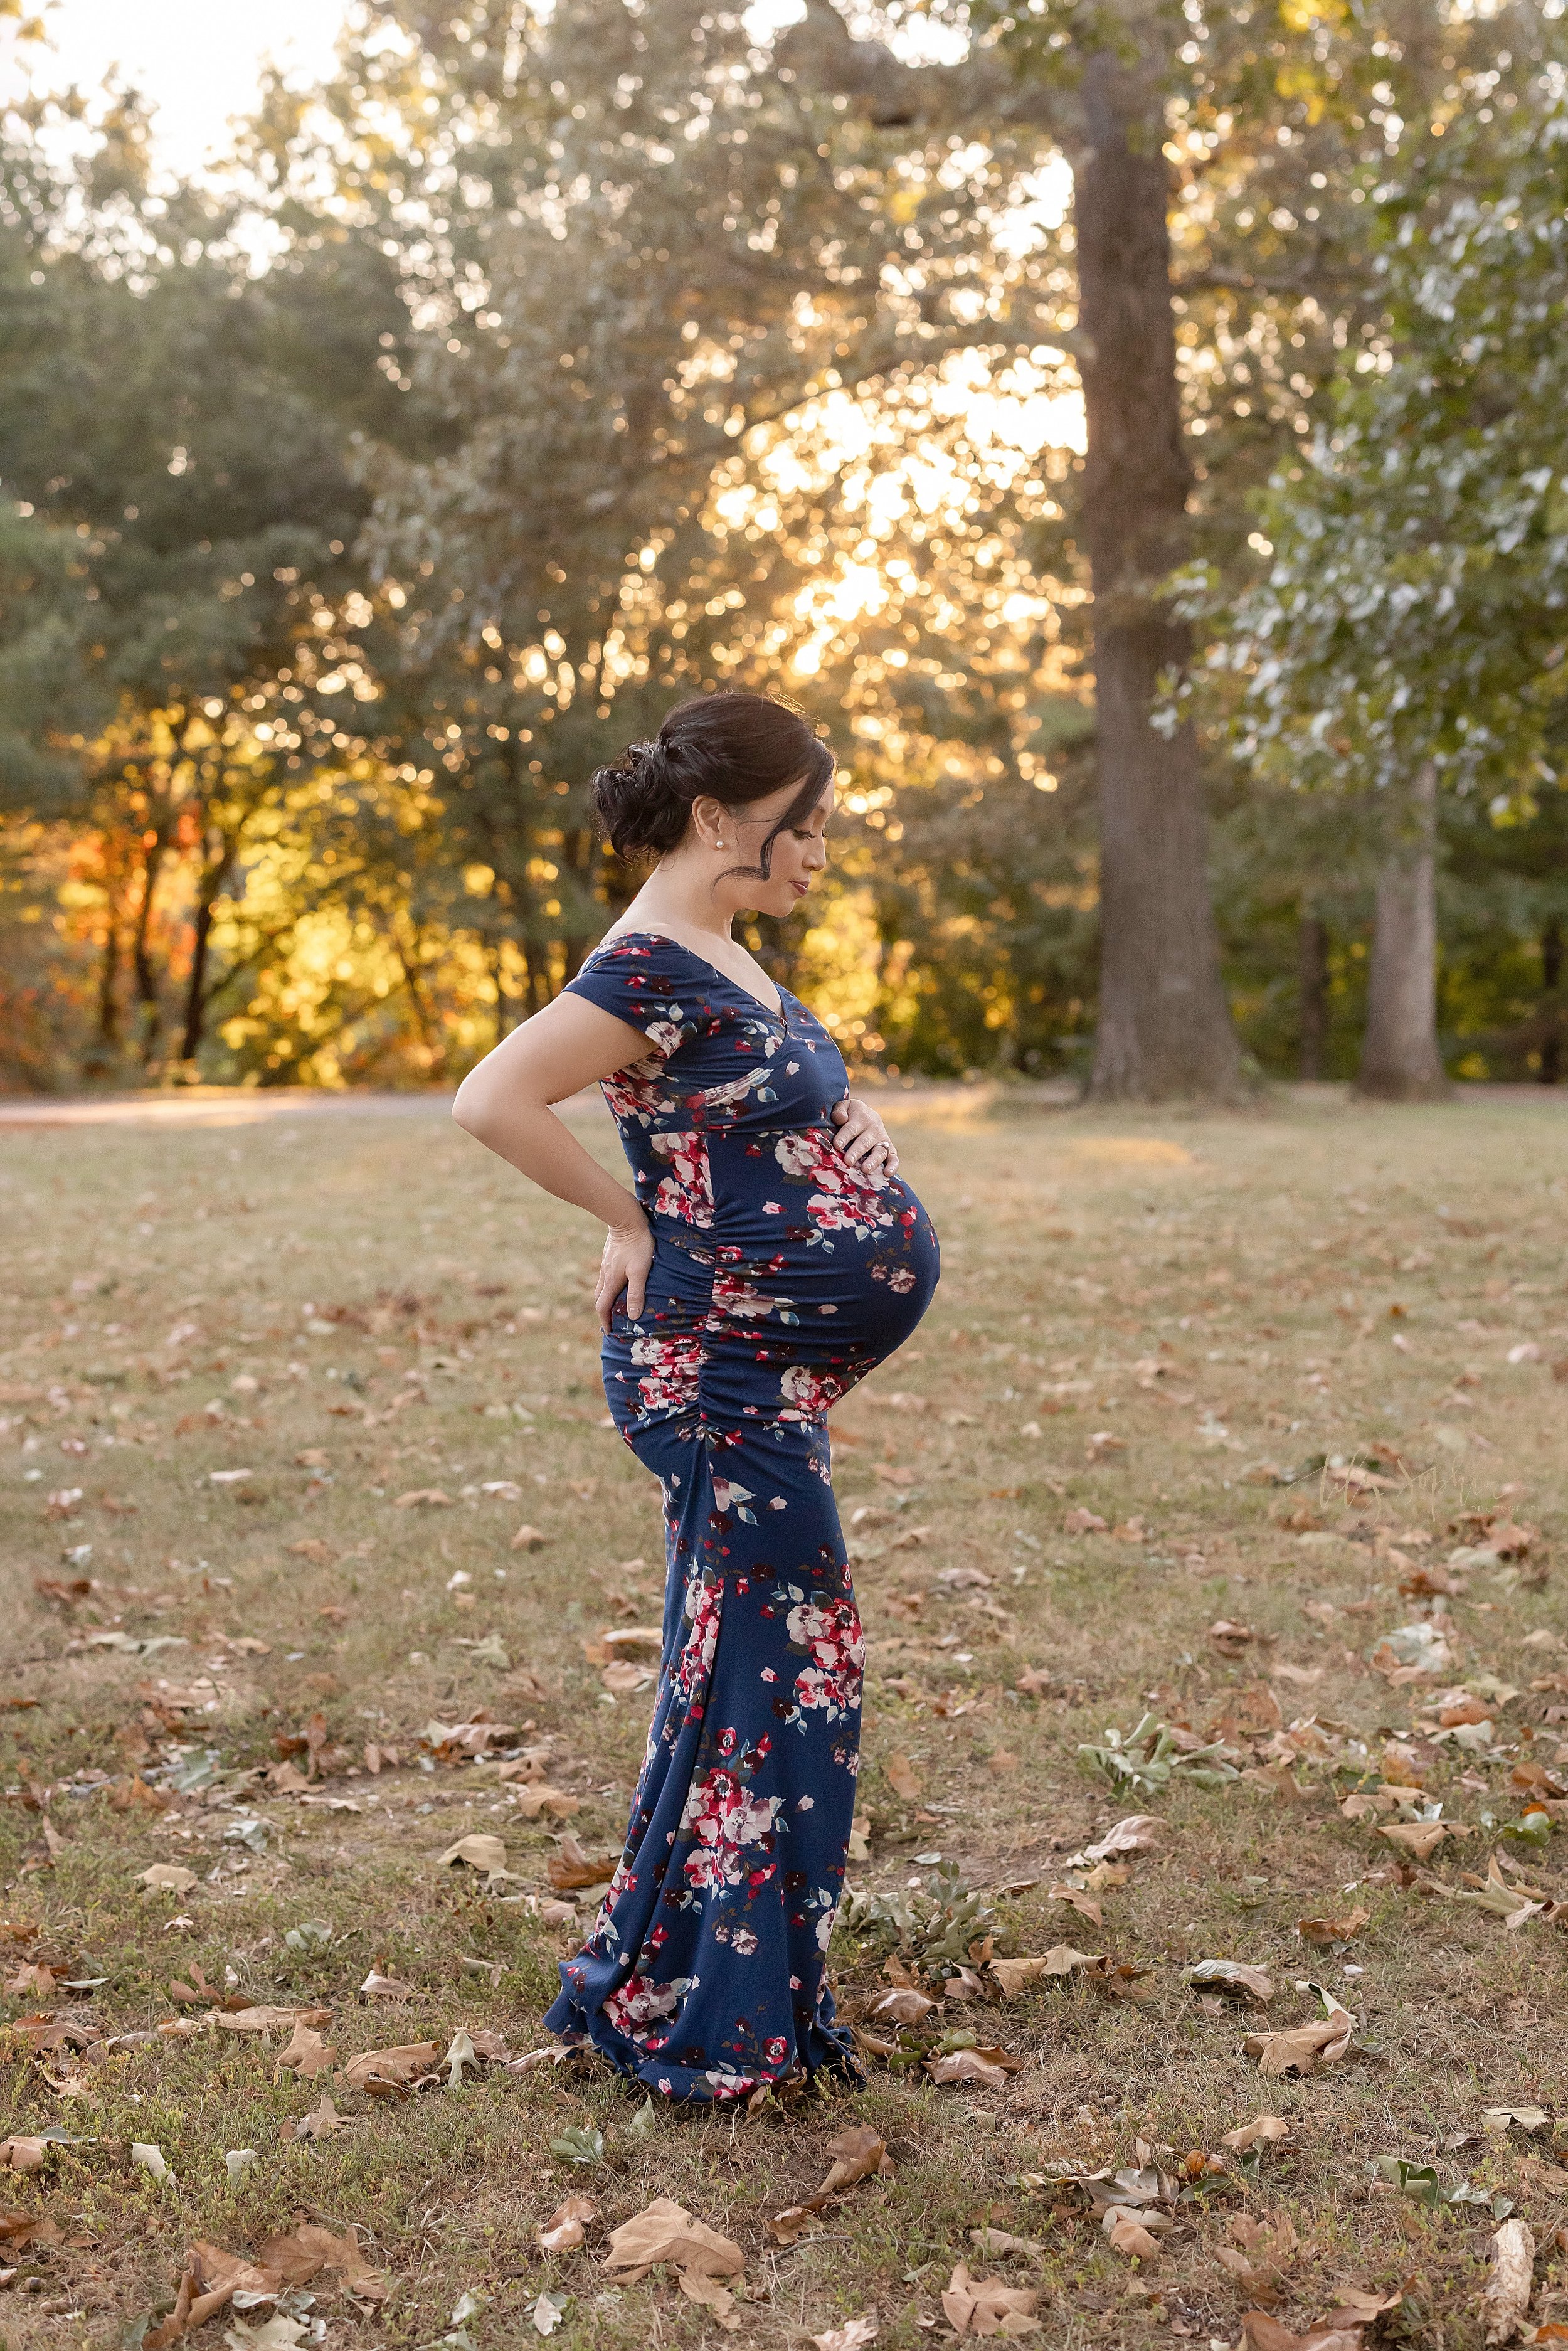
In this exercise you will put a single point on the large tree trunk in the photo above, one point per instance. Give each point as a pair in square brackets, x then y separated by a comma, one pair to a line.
[1312, 972]
[1550, 1069]
[150, 1008]
[198, 994]
[1164, 1026]
[1399, 1056]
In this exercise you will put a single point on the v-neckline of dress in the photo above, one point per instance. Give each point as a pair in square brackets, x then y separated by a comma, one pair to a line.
[667, 938]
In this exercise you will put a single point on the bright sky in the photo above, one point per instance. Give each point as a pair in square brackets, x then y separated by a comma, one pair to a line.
[197, 60]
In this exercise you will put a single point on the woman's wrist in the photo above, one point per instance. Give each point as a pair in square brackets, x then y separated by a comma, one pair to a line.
[631, 1224]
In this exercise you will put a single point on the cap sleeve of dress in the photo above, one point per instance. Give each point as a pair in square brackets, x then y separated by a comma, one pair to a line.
[634, 979]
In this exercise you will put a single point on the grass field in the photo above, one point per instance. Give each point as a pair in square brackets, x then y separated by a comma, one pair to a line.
[235, 1359]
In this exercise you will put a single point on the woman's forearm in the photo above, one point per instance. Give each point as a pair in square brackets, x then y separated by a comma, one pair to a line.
[507, 1101]
[529, 1136]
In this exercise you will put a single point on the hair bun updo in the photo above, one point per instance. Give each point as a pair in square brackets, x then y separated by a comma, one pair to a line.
[636, 802]
[733, 748]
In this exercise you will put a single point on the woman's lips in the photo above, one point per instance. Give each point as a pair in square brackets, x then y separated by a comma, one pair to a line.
[800, 888]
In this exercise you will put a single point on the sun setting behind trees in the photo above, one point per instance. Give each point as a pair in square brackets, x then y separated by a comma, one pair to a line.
[532, 373]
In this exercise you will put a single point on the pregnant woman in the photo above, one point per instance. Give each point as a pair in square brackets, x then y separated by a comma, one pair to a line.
[770, 1258]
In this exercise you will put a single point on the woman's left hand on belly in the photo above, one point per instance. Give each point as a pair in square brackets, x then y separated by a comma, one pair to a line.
[862, 1138]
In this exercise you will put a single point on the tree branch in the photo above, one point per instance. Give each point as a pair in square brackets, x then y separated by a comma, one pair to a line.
[978, 93]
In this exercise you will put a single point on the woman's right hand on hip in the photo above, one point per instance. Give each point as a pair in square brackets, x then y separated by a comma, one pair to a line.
[628, 1255]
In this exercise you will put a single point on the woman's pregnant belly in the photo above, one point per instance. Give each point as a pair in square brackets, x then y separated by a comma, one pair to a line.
[806, 1276]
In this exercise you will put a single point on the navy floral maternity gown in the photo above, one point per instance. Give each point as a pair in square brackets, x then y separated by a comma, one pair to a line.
[781, 1275]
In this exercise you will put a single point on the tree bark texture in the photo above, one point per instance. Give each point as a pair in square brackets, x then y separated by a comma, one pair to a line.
[1164, 1026]
[1399, 1056]
[1312, 982]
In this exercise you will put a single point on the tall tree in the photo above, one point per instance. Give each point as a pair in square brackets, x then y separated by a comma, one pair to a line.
[1270, 122]
[198, 501]
[1411, 633]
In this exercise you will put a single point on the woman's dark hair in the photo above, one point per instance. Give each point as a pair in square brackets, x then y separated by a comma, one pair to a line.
[736, 749]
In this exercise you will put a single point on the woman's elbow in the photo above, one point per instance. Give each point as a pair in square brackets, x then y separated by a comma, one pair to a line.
[472, 1106]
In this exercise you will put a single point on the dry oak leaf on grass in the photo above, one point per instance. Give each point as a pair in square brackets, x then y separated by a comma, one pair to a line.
[853, 2335]
[1260, 2255]
[1014, 1975]
[1077, 1899]
[1334, 1931]
[902, 1778]
[1507, 2294]
[859, 2153]
[323, 2122]
[707, 2292]
[1128, 2234]
[20, 2230]
[986, 2069]
[1263, 2130]
[903, 2005]
[166, 1877]
[306, 2054]
[539, 1797]
[1420, 1839]
[424, 1497]
[477, 1851]
[265, 2018]
[567, 2225]
[987, 2306]
[1304, 2048]
[301, 2253]
[1260, 2332]
[209, 2280]
[1139, 1833]
[1229, 1975]
[386, 2070]
[571, 1869]
[666, 2231]
[23, 2154]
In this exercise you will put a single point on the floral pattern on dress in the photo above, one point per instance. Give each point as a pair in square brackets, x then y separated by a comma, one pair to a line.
[781, 1275]
[687, 1190]
[671, 1373]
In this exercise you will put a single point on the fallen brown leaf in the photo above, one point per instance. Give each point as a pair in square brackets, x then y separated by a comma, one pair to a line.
[1263, 2130]
[323, 2122]
[1334, 1931]
[572, 1869]
[666, 2232]
[391, 2068]
[303, 2252]
[1076, 1899]
[306, 2054]
[901, 2006]
[987, 2068]
[854, 2335]
[1128, 2235]
[478, 1851]
[902, 1778]
[1418, 1838]
[1013, 1975]
[1507, 2293]
[707, 2292]
[567, 2225]
[1261, 2333]
[263, 2019]
[1304, 2048]
[985, 2306]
